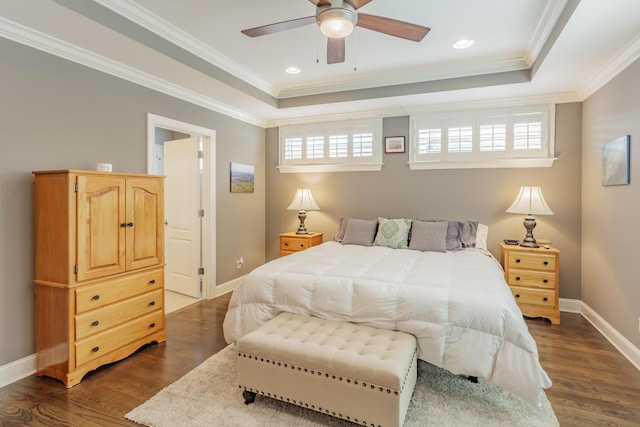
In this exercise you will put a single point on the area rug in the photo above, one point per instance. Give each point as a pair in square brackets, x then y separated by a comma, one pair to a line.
[209, 396]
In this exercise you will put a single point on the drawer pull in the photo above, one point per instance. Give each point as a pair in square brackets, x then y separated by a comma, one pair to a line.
[545, 281]
[95, 323]
[123, 225]
[545, 299]
[517, 277]
[152, 281]
[286, 244]
[546, 263]
[517, 295]
[96, 297]
[153, 325]
[95, 349]
[152, 303]
[302, 245]
[518, 260]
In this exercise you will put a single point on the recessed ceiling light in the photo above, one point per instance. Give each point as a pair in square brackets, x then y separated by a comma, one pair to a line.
[292, 70]
[463, 43]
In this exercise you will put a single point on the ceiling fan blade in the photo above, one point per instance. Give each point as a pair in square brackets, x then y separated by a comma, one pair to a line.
[279, 26]
[335, 50]
[392, 27]
[322, 2]
[357, 4]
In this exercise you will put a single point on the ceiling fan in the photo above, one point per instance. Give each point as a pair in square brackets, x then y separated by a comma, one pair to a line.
[337, 19]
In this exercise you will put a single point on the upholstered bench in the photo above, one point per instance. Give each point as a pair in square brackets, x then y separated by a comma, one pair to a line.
[361, 374]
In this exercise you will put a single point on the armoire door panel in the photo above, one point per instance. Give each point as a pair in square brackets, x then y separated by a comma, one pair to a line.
[101, 226]
[145, 210]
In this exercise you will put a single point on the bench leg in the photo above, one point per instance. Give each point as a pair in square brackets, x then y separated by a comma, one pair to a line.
[248, 396]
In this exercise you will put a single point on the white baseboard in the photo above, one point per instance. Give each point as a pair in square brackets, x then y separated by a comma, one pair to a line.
[624, 346]
[225, 288]
[17, 370]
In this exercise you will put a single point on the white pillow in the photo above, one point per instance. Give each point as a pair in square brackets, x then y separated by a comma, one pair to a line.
[481, 236]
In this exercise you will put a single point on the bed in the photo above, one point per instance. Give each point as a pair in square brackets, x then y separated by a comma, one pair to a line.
[454, 301]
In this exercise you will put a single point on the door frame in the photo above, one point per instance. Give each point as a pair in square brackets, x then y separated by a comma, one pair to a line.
[208, 189]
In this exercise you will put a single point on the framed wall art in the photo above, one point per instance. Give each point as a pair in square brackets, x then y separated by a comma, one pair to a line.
[616, 161]
[241, 179]
[394, 144]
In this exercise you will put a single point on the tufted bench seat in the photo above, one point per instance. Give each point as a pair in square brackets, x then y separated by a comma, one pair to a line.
[361, 374]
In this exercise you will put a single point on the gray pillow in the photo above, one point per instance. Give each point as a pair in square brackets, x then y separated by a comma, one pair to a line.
[342, 226]
[429, 236]
[360, 232]
[460, 234]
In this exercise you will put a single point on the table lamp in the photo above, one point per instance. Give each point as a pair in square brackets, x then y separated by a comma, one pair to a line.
[529, 202]
[302, 202]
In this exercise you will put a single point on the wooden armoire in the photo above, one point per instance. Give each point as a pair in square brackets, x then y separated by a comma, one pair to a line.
[99, 269]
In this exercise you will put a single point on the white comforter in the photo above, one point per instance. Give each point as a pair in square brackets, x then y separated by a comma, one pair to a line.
[457, 305]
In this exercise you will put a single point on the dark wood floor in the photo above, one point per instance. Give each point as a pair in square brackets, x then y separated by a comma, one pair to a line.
[593, 385]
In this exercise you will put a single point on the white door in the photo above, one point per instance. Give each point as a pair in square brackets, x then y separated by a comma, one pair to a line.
[183, 222]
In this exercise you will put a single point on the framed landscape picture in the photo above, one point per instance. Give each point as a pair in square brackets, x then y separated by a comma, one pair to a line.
[242, 177]
[394, 144]
[615, 161]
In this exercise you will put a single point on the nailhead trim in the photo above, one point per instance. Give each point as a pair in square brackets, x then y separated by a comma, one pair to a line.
[327, 375]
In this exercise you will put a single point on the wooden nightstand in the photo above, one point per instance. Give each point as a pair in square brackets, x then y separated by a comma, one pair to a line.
[292, 242]
[533, 276]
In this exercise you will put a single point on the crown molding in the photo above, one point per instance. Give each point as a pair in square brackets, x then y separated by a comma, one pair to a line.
[168, 31]
[627, 56]
[45, 43]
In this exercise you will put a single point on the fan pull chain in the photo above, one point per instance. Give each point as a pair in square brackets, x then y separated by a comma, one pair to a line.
[318, 45]
[355, 53]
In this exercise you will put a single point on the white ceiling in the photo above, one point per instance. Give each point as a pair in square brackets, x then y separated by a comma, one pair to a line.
[549, 50]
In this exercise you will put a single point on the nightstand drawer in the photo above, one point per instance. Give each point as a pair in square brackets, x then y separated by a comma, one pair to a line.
[533, 261]
[293, 244]
[534, 296]
[533, 279]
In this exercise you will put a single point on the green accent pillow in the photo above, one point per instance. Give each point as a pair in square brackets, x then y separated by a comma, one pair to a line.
[393, 233]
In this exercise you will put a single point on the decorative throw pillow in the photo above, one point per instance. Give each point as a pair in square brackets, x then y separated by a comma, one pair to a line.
[429, 236]
[359, 232]
[393, 233]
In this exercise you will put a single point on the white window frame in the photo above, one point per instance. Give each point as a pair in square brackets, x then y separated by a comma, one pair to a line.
[350, 162]
[508, 157]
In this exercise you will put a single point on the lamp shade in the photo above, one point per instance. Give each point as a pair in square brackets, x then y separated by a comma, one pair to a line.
[530, 201]
[303, 200]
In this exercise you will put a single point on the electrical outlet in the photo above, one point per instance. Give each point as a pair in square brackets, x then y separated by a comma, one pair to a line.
[239, 262]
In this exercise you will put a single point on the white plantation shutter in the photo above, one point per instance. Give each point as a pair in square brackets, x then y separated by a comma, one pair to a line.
[333, 146]
[520, 136]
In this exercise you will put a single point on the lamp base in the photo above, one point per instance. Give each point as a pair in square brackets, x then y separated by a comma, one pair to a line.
[302, 215]
[529, 241]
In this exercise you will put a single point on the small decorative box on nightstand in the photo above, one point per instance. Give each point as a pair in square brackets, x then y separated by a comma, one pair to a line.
[533, 276]
[292, 242]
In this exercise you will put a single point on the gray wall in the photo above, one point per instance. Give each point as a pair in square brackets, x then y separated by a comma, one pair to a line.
[477, 194]
[610, 225]
[55, 114]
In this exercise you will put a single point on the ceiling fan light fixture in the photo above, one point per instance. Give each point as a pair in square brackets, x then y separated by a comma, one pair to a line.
[337, 22]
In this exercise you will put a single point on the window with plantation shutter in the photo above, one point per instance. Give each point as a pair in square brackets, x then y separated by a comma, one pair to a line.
[520, 136]
[352, 145]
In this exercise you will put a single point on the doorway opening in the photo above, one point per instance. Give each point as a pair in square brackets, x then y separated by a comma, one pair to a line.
[185, 155]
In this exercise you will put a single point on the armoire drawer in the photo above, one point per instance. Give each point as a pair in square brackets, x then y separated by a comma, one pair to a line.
[101, 344]
[104, 318]
[106, 292]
